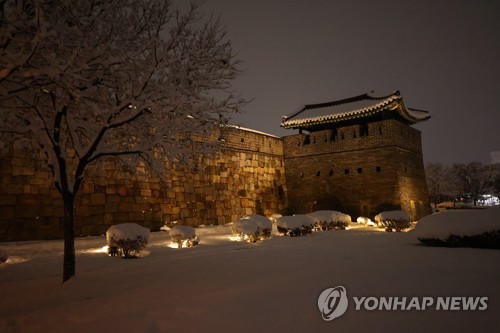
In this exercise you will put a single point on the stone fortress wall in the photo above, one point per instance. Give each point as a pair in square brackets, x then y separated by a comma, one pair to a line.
[246, 177]
[358, 169]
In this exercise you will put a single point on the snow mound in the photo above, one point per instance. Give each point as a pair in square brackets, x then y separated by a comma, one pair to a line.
[184, 236]
[127, 231]
[295, 221]
[252, 228]
[393, 220]
[395, 215]
[330, 219]
[329, 216]
[245, 226]
[261, 221]
[126, 239]
[296, 225]
[470, 222]
[183, 231]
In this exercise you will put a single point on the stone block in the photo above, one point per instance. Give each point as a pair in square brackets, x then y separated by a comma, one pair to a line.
[47, 211]
[43, 190]
[185, 212]
[29, 199]
[82, 210]
[15, 189]
[58, 211]
[28, 212]
[110, 189]
[7, 200]
[6, 212]
[136, 216]
[98, 199]
[120, 218]
[96, 209]
[124, 207]
[179, 196]
[166, 208]
[122, 190]
[189, 187]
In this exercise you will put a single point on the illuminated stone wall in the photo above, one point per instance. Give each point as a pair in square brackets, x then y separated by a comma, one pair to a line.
[358, 174]
[245, 178]
[354, 173]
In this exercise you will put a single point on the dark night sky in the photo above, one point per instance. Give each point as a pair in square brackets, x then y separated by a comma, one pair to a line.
[444, 57]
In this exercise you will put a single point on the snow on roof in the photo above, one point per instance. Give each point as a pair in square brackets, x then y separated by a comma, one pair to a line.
[350, 108]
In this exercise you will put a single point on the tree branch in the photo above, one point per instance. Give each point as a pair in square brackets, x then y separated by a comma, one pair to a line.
[116, 153]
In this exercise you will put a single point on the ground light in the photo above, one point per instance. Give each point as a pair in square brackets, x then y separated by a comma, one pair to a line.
[103, 249]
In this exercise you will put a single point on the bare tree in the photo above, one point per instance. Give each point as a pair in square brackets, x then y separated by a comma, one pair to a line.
[440, 182]
[89, 79]
[473, 179]
[435, 176]
[494, 175]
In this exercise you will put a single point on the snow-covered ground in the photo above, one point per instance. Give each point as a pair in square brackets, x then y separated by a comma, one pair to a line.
[226, 286]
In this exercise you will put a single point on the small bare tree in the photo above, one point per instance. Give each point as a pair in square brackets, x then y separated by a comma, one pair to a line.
[440, 182]
[473, 180]
[89, 79]
[495, 170]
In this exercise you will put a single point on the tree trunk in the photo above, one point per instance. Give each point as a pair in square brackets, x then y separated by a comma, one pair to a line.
[69, 237]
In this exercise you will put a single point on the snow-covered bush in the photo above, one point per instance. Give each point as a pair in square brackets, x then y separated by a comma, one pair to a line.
[461, 228]
[264, 224]
[296, 225]
[184, 236]
[246, 230]
[330, 219]
[393, 220]
[365, 220]
[127, 239]
[252, 228]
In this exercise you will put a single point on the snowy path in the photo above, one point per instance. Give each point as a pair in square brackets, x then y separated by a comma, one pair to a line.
[223, 285]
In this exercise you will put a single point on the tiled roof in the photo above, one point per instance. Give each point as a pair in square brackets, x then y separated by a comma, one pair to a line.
[351, 108]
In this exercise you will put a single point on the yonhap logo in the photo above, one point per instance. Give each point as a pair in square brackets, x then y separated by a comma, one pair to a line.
[332, 303]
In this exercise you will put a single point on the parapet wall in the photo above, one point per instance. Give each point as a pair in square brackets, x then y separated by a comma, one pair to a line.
[350, 138]
[246, 177]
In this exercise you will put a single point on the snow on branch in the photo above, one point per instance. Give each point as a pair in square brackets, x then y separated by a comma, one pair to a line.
[115, 78]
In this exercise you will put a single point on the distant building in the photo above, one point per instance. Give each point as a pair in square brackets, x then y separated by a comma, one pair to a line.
[358, 155]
